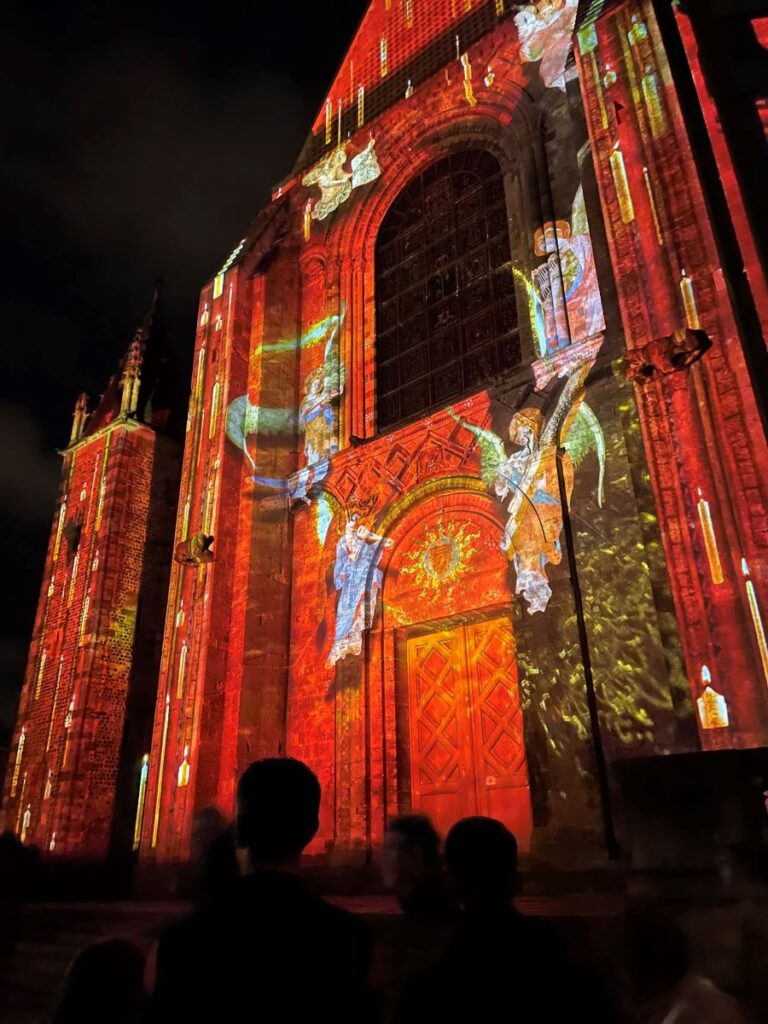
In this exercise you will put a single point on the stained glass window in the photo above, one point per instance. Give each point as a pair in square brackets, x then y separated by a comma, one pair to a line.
[446, 320]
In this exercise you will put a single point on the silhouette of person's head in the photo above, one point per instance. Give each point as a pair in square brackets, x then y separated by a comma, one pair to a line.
[481, 858]
[105, 983]
[278, 806]
[411, 854]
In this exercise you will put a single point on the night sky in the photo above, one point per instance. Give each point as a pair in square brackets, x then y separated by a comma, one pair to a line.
[137, 139]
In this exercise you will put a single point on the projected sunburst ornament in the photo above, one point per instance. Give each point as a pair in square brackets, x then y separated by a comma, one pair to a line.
[442, 558]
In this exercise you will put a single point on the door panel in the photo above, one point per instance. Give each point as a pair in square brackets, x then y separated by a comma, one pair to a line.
[466, 727]
[497, 725]
[439, 727]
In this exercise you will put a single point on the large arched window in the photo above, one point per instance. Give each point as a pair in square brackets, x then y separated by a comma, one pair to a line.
[446, 320]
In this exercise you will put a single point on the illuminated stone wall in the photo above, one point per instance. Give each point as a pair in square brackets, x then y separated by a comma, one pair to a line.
[422, 612]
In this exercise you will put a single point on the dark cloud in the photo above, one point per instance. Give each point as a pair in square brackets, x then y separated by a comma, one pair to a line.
[137, 138]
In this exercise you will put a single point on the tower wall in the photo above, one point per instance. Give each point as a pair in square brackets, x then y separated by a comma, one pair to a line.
[90, 681]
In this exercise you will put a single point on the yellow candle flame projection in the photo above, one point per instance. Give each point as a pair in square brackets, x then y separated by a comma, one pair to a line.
[650, 86]
[307, 220]
[383, 64]
[360, 106]
[710, 540]
[68, 738]
[83, 619]
[689, 301]
[469, 92]
[210, 494]
[499, 7]
[652, 202]
[638, 30]
[621, 184]
[160, 767]
[19, 757]
[141, 801]
[409, 13]
[598, 90]
[182, 669]
[328, 121]
[26, 823]
[48, 785]
[199, 375]
[185, 520]
[55, 703]
[21, 802]
[338, 125]
[73, 579]
[102, 486]
[215, 403]
[757, 619]
[711, 705]
[40, 673]
[59, 528]
[52, 844]
[183, 774]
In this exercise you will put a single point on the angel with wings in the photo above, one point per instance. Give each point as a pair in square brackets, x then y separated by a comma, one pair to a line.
[357, 578]
[545, 29]
[316, 417]
[565, 287]
[527, 481]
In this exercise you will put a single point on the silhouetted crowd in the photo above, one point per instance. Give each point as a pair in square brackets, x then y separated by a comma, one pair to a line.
[260, 946]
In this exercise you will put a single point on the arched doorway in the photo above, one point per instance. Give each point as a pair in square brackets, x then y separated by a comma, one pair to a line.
[448, 614]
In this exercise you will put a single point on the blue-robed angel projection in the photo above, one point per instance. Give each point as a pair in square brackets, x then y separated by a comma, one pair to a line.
[357, 578]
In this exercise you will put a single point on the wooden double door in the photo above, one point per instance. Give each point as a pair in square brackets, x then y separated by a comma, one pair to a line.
[467, 752]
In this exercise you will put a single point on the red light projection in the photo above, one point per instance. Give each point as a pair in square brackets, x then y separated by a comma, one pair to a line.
[395, 607]
[469, 411]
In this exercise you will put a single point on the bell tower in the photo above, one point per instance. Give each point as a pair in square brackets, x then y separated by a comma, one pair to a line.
[88, 694]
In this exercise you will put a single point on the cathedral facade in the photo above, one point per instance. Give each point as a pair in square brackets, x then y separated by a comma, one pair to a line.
[473, 501]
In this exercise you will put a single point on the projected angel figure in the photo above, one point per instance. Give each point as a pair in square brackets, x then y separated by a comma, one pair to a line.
[567, 281]
[334, 181]
[527, 481]
[357, 578]
[545, 29]
[317, 415]
[316, 418]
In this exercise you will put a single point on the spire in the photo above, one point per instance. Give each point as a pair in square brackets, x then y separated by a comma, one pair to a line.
[79, 418]
[131, 375]
[131, 378]
[142, 386]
